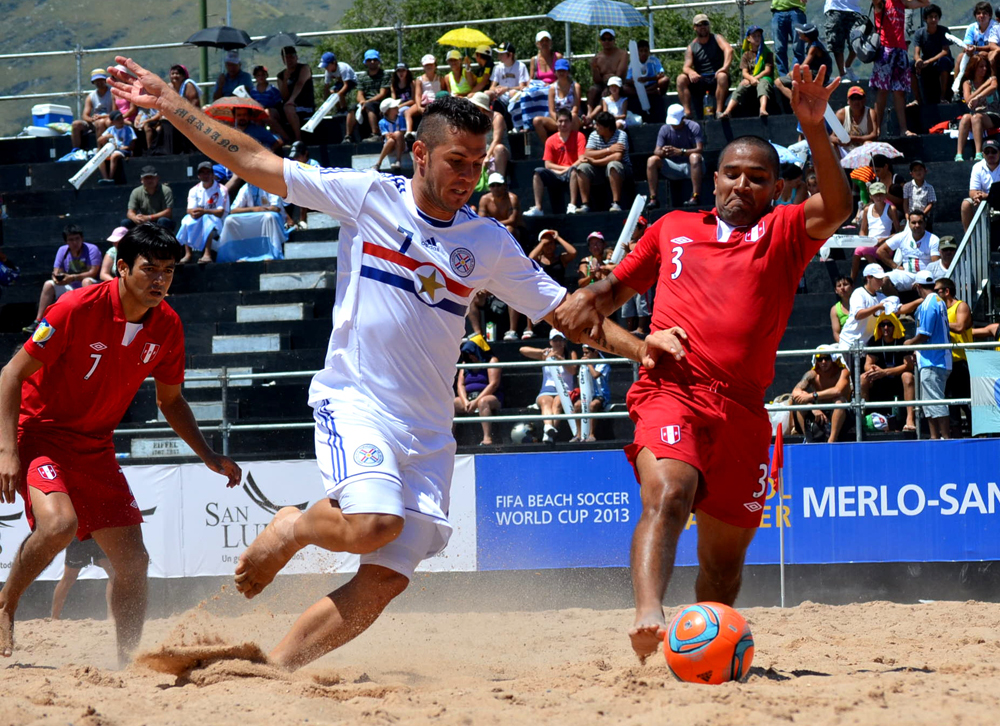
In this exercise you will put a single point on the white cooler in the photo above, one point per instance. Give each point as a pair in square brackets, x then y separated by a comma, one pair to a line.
[43, 114]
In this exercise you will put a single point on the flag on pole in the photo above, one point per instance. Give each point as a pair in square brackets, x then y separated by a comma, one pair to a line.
[777, 460]
[984, 372]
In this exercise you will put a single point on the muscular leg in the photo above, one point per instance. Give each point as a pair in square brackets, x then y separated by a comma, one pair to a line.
[653, 165]
[667, 488]
[837, 420]
[62, 590]
[323, 525]
[55, 527]
[127, 553]
[500, 158]
[339, 617]
[105, 564]
[721, 551]
[488, 406]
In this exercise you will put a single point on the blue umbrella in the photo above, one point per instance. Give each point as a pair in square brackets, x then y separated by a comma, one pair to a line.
[604, 13]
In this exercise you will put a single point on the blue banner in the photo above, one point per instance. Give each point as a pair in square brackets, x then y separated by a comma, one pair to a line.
[907, 501]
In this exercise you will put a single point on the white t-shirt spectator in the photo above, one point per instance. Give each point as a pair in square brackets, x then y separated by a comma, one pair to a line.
[914, 255]
[212, 198]
[344, 73]
[919, 197]
[855, 330]
[982, 178]
[510, 77]
[251, 196]
[975, 36]
[121, 137]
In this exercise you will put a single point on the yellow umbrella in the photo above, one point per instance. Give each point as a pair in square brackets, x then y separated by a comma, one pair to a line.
[465, 38]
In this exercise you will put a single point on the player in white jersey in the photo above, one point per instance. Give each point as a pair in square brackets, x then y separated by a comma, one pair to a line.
[411, 256]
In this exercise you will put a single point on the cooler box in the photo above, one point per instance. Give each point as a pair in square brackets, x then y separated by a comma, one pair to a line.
[47, 113]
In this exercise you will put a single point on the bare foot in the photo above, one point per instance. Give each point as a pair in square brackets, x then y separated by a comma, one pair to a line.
[184, 260]
[6, 634]
[647, 634]
[267, 554]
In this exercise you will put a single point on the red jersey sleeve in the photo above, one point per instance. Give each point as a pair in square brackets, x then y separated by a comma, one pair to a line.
[52, 335]
[170, 369]
[799, 246]
[641, 267]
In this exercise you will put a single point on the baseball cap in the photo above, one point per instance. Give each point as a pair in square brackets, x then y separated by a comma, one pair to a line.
[495, 178]
[915, 163]
[326, 60]
[115, 115]
[505, 48]
[453, 55]
[542, 34]
[148, 170]
[372, 54]
[205, 165]
[595, 234]
[856, 91]
[924, 277]
[484, 50]
[700, 18]
[877, 188]
[608, 31]
[991, 144]
[553, 334]
[675, 114]
[233, 56]
[807, 29]
[615, 81]
[480, 99]
[401, 66]
[428, 59]
[641, 222]
[388, 103]
[874, 270]
[562, 65]
[117, 235]
[98, 74]
[753, 29]
[261, 68]
[947, 243]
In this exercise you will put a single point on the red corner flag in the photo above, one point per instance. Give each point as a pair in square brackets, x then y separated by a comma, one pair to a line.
[777, 459]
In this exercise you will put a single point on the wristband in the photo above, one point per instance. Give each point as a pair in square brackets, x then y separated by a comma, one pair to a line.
[815, 398]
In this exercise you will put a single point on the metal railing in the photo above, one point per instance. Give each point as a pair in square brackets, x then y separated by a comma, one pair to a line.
[226, 428]
[970, 268]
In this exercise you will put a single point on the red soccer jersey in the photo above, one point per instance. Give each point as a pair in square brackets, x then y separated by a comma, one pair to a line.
[732, 297]
[565, 152]
[91, 371]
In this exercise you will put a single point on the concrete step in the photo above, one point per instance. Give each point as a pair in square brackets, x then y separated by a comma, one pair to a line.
[202, 410]
[264, 343]
[310, 250]
[271, 313]
[297, 280]
[193, 373]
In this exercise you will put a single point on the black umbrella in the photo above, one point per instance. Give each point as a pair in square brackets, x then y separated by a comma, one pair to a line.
[278, 41]
[220, 37]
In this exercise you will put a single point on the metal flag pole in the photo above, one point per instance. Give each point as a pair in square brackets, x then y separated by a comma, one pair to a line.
[781, 536]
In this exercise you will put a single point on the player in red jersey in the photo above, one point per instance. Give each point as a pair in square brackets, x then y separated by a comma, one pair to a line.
[727, 278]
[61, 397]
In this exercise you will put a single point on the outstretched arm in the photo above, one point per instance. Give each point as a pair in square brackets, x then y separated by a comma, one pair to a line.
[20, 367]
[232, 148]
[181, 419]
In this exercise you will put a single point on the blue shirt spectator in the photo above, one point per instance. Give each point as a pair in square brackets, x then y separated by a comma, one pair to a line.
[932, 316]
[651, 69]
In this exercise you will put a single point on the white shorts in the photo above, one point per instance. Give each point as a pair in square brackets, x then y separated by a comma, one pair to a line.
[371, 465]
[902, 280]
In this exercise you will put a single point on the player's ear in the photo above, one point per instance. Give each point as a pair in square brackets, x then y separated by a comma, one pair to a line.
[420, 152]
[778, 187]
[122, 266]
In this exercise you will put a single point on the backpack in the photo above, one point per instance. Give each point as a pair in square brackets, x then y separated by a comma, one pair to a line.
[865, 41]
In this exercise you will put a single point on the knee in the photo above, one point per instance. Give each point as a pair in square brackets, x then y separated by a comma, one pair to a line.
[683, 82]
[132, 565]
[694, 160]
[907, 378]
[48, 286]
[653, 163]
[385, 584]
[671, 501]
[59, 528]
[372, 531]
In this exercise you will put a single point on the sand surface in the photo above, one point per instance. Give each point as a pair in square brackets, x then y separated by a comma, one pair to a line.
[873, 663]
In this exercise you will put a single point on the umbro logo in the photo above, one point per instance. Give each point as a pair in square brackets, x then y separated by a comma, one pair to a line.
[680, 240]
[753, 506]
[98, 346]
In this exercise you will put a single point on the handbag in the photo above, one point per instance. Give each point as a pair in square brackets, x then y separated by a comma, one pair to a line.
[865, 40]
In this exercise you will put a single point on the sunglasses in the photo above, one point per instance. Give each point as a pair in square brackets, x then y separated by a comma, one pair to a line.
[821, 358]
[886, 325]
[991, 151]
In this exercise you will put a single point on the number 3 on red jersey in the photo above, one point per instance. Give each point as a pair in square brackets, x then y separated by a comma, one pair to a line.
[678, 265]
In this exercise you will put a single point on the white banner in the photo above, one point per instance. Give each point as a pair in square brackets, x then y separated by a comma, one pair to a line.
[195, 526]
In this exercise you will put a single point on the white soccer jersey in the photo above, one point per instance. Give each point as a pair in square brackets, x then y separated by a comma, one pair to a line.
[404, 281]
[212, 198]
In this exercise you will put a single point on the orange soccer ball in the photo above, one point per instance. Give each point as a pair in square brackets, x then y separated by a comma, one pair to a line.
[708, 643]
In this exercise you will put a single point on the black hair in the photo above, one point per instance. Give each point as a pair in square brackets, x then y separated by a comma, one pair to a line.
[151, 241]
[180, 69]
[642, 43]
[948, 283]
[605, 119]
[564, 111]
[838, 281]
[72, 229]
[790, 172]
[115, 115]
[917, 212]
[257, 68]
[756, 142]
[289, 49]
[932, 8]
[452, 115]
[879, 160]
[981, 6]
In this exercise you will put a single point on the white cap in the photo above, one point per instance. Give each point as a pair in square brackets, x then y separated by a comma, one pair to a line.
[542, 34]
[553, 334]
[388, 103]
[480, 99]
[608, 30]
[428, 59]
[924, 277]
[233, 56]
[495, 178]
[874, 270]
[675, 114]
[550, 232]
[615, 81]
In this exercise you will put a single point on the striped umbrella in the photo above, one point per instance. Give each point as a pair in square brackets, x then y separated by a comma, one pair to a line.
[603, 13]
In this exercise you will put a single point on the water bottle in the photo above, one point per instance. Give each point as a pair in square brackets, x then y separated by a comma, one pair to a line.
[491, 332]
[895, 408]
[709, 106]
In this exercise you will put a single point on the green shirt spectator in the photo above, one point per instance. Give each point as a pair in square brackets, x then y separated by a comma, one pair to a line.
[370, 85]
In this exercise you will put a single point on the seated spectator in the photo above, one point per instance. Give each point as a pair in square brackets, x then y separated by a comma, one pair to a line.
[109, 267]
[882, 166]
[911, 250]
[933, 366]
[97, 109]
[510, 76]
[706, 68]
[549, 397]
[151, 201]
[564, 93]
[426, 88]
[300, 153]
[459, 80]
[617, 105]
[984, 174]
[171, 141]
[867, 302]
[597, 265]
[932, 61]
[295, 82]
[207, 207]
[844, 286]
[757, 69]
[812, 182]
[339, 78]
[959, 331]
[147, 122]
[254, 229]
[947, 247]
[979, 93]
[653, 78]
[601, 375]
[918, 193]
[677, 156]
[401, 88]
[828, 381]
[542, 66]
[263, 91]
[610, 61]
[562, 153]
[502, 205]
[482, 74]
[77, 264]
[604, 161]
[232, 77]
[794, 189]
[840, 18]
[888, 375]
[497, 143]
[373, 88]
[244, 120]
[553, 254]
[638, 309]
[880, 220]
[391, 127]
[817, 56]
[858, 120]
[478, 389]
[980, 37]
[123, 138]
[181, 80]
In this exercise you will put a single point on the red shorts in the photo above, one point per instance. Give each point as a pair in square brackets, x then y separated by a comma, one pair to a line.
[724, 440]
[92, 478]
